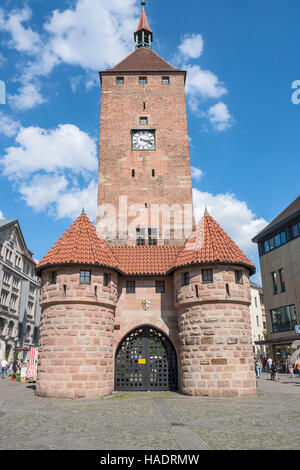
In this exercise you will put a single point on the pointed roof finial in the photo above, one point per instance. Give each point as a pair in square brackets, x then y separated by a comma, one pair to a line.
[83, 211]
[143, 36]
[206, 211]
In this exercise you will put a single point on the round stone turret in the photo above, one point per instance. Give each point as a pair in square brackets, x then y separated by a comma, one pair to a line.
[78, 301]
[212, 298]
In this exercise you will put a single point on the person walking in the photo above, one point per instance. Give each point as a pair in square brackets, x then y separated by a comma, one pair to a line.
[291, 370]
[4, 365]
[15, 366]
[288, 364]
[269, 363]
[297, 365]
[264, 364]
[258, 366]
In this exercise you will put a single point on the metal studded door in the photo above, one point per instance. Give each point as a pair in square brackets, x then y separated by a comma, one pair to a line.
[146, 360]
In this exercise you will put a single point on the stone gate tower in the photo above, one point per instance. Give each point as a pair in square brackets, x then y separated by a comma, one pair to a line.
[144, 147]
[158, 309]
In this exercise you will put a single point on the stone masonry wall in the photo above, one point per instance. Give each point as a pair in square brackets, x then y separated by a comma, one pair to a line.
[216, 357]
[76, 343]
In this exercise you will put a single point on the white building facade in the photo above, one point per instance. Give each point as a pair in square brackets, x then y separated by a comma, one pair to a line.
[19, 294]
[258, 319]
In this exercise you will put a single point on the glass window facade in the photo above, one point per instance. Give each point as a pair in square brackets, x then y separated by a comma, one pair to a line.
[274, 242]
[296, 230]
[283, 319]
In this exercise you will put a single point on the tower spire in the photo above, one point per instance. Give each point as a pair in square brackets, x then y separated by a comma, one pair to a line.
[143, 36]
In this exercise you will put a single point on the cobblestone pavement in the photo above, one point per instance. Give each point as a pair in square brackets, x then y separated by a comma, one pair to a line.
[152, 421]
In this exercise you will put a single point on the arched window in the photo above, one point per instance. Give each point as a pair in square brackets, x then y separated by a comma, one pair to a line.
[10, 328]
[2, 324]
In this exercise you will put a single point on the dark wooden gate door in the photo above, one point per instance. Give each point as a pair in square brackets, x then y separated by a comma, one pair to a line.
[146, 360]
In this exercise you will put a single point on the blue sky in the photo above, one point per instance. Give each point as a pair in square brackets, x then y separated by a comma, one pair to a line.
[241, 57]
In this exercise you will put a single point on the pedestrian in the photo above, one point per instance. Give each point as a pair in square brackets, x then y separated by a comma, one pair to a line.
[258, 366]
[264, 363]
[291, 370]
[288, 364]
[15, 366]
[4, 365]
[274, 373]
[269, 363]
[297, 365]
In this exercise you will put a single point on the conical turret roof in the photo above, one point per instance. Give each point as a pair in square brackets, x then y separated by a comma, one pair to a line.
[208, 243]
[80, 244]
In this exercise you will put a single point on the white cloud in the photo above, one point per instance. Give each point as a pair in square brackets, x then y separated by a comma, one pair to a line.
[191, 46]
[66, 147]
[220, 117]
[72, 202]
[1, 215]
[8, 126]
[202, 84]
[233, 215]
[42, 191]
[28, 97]
[196, 173]
[92, 34]
[23, 40]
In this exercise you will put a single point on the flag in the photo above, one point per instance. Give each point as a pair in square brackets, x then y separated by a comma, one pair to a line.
[32, 364]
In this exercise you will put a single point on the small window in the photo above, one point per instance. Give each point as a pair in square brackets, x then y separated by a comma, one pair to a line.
[144, 105]
[106, 279]
[85, 277]
[120, 80]
[152, 236]
[185, 279]
[140, 237]
[166, 80]
[227, 290]
[133, 173]
[282, 280]
[53, 277]
[239, 277]
[143, 80]
[160, 287]
[207, 275]
[153, 173]
[275, 283]
[130, 287]
[143, 121]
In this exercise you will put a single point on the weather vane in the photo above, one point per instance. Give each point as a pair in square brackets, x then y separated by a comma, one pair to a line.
[143, 4]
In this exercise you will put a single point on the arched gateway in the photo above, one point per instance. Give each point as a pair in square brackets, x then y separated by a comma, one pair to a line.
[146, 360]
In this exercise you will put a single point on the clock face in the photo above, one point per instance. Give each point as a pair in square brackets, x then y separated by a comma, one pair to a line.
[143, 140]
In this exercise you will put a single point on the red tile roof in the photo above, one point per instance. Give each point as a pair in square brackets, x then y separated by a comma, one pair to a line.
[207, 244]
[143, 24]
[146, 259]
[143, 60]
[81, 245]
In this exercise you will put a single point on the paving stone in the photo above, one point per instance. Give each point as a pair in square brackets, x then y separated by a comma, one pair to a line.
[152, 421]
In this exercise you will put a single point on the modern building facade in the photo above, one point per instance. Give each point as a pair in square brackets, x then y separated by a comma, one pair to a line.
[148, 301]
[258, 320]
[279, 251]
[20, 290]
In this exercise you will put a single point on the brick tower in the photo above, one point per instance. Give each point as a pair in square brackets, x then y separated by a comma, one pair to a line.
[144, 163]
[147, 311]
